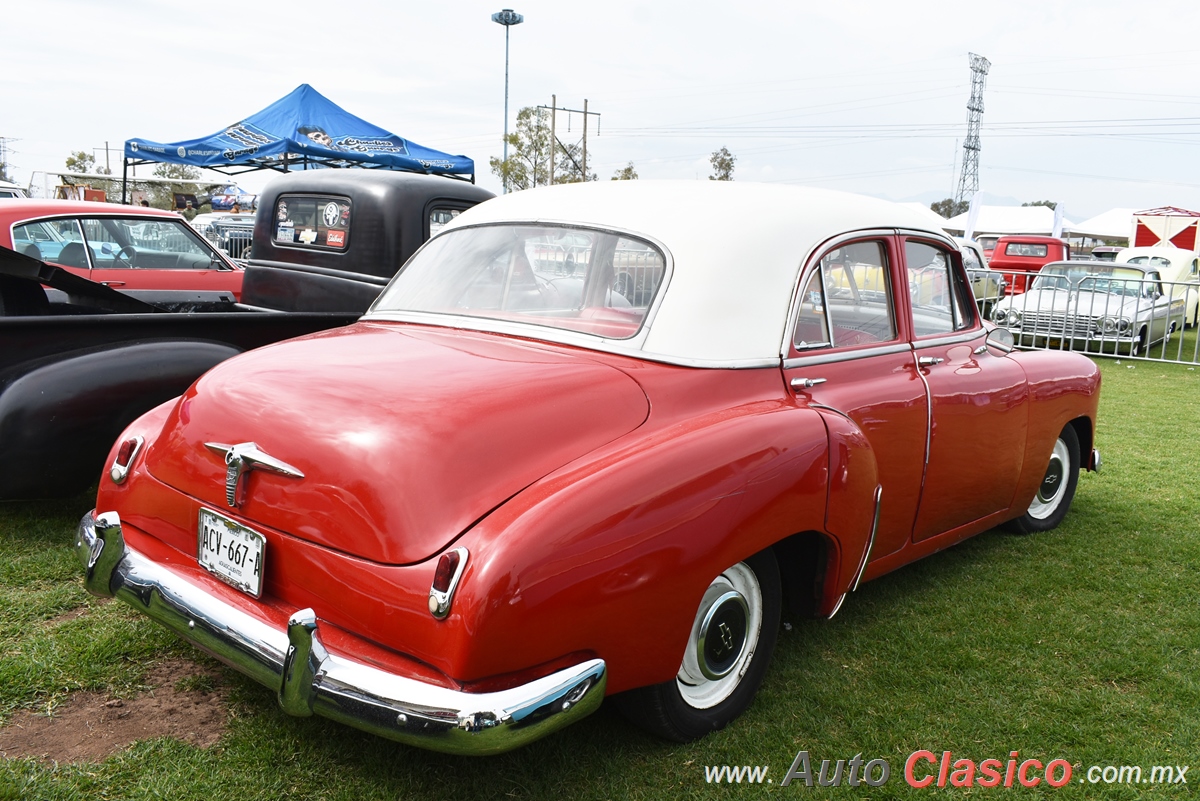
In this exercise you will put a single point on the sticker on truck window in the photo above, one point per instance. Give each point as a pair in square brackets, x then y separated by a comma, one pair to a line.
[313, 221]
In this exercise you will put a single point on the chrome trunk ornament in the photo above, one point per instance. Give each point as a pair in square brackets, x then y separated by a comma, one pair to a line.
[241, 459]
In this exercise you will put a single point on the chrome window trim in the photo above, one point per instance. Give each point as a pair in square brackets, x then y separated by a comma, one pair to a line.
[811, 263]
[955, 338]
[637, 339]
[79, 218]
[828, 357]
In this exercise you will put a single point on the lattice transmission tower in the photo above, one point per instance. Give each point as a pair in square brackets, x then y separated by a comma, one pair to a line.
[968, 179]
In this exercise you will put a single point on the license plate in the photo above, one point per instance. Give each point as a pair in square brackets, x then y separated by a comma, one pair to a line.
[232, 552]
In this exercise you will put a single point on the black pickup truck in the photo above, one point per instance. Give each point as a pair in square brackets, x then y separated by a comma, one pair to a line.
[331, 240]
[80, 360]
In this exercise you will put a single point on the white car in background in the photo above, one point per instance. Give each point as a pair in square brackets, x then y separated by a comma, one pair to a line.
[988, 285]
[9, 189]
[1092, 304]
[1180, 271]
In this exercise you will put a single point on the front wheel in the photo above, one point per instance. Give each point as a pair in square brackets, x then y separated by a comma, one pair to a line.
[728, 649]
[1054, 495]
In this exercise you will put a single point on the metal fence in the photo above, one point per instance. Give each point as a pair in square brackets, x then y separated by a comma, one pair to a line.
[237, 243]
[1103, 314]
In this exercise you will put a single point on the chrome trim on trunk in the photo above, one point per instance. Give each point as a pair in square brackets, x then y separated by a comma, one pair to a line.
[309, 679]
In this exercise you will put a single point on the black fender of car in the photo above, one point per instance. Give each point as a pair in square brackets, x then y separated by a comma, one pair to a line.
[613, 553]
[59, 416]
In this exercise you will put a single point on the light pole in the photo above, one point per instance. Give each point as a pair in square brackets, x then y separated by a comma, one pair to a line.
[507, 18]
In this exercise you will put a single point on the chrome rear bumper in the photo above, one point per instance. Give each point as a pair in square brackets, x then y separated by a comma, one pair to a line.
[310, 680]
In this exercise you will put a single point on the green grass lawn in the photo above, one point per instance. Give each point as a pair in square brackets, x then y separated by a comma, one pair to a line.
[1081, 644]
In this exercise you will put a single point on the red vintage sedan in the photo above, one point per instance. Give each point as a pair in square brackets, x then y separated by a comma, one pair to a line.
[588, 442]
[130, 248]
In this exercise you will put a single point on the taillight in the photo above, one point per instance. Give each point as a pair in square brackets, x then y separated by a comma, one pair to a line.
[445, 580]
[125, 456]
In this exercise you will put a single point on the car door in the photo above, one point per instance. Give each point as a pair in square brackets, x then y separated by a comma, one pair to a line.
[140, 253]
[847, 354]
[977, 400]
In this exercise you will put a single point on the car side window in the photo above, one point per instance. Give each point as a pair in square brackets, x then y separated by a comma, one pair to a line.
[846, 300]
[936, 291]
[971, 259]
[56, 241]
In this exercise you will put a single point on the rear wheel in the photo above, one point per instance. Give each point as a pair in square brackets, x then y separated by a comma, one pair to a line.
[1054, 494]
[728, 650]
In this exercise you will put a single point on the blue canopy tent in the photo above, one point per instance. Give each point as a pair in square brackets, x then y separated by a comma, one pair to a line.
[303, 130]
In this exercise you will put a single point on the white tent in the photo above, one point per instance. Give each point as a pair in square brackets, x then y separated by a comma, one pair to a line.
[1112, 224]
[1010, 220]
[934, 218]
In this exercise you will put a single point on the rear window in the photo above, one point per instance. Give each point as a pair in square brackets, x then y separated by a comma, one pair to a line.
[313, 221]
[1024, 249]
[569, 278]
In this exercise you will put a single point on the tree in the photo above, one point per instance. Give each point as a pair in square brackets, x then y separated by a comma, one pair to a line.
[528, 163]
[4, 172]
[84, 162]
[722, 163]
[949, 208]
[1050, 203]
[626, 173]
[162, 196]
[80, 161]
[568, 165]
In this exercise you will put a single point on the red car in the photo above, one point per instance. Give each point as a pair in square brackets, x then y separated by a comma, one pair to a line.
[516, 486]
[130, 248]
[1026, 254]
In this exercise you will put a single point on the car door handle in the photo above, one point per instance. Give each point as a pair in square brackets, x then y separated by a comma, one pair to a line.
[806, 383]
[929, 361]
[113, 283]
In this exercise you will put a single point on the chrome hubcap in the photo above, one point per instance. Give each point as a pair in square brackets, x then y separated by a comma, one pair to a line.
[724, 636]
[1050, 493]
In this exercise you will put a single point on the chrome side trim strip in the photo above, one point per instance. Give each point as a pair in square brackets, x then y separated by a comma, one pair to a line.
[862, 566]
[309, 679]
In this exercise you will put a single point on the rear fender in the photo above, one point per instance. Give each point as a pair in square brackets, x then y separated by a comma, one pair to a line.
[612, 554]
[852, 510]
[58, 419]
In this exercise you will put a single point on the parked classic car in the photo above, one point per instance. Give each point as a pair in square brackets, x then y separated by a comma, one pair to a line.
[1180, 271]
[129, 247]
[1092, 304]
[1018, 256]
[231, 232]
[987, 285]
[512, 489]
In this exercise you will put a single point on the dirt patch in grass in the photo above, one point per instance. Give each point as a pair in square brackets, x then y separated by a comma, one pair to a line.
[184, 701]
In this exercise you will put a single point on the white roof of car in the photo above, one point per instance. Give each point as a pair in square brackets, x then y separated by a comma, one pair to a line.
[735, 252]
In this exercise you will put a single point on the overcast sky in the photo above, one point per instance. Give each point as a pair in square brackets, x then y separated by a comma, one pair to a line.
[1094, 104]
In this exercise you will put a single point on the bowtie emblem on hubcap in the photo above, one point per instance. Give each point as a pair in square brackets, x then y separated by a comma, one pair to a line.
[241, 459]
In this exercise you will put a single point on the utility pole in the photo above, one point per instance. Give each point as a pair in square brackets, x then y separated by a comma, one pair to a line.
[554, 140]
[968, 181]
[4, 165]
